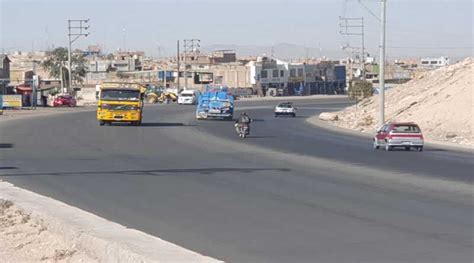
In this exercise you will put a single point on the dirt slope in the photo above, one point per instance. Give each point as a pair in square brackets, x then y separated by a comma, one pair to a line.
[440, 101]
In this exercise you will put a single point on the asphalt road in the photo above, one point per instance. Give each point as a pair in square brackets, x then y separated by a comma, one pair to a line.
[291, 192]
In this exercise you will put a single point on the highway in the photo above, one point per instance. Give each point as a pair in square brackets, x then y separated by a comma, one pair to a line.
[291, 192]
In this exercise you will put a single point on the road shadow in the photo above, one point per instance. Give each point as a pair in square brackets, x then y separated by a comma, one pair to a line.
[156, 172]
[8, 168]
[165, 124]
[6, 145]
[153, 124]
[261, 137]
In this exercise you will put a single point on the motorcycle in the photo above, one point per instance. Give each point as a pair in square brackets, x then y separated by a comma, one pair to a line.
[242, 130]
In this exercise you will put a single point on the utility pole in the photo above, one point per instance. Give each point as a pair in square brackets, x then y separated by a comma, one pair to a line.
[124, 38]
[177, 46]
[189, 46]
[34, 86]
[349, 23]
[382, 66]
[76, 29]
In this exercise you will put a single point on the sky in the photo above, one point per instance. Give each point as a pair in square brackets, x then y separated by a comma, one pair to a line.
[414, 27]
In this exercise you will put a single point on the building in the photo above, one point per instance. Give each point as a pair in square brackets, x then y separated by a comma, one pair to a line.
[269, 75]
[4, 73]
[434, 62]
[223, 56]
[233, 75]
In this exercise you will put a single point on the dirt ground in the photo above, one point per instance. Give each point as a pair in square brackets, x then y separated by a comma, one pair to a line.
[25, 239]
[440, 101]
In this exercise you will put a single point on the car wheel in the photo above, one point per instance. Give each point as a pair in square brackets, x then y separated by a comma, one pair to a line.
[420, 149]
[376, 146]
[407, 148]
[388, 147]
[293, 115]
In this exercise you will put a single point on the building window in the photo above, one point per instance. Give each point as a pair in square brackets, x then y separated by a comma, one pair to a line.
[282, 73]
[275, 73]
[424, 62]
[264, 74]
[300, 72]
[292, 72]
[434, 62]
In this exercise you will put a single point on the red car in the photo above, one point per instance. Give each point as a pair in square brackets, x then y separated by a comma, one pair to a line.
[405, 135]
[64, 100]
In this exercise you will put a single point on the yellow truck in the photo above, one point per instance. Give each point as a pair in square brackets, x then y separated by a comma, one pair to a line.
[120, 102]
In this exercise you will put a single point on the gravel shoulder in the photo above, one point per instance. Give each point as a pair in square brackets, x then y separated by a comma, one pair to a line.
[26, 238]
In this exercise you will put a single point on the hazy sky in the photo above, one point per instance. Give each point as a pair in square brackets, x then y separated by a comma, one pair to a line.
[413, 26]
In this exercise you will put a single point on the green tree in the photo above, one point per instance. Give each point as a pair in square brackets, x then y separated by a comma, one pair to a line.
[360, 89]
[58, 60]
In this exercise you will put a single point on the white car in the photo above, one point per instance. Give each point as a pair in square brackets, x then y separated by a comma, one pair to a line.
[285, 108]
[188, 97]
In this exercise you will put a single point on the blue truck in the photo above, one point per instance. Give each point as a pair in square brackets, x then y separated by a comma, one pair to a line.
[216, 103]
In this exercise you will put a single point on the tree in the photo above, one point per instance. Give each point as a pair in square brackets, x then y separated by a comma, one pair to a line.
[360, 89]
[58, 60]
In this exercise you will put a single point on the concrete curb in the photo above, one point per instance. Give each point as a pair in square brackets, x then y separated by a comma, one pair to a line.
[291, 98]
[314, 120]
[101, 239]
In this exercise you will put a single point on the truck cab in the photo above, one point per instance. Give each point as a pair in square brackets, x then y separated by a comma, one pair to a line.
[120, 102]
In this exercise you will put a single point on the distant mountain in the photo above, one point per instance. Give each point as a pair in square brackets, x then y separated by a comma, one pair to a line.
[280, 51]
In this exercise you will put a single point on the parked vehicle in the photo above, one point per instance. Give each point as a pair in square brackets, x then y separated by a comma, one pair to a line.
[64, 100]
[189, 97]
[215, 102]
[405, 135]
[285, 108]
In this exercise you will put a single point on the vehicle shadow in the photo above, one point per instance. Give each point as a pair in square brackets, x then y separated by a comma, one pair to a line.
[6, 145]
[8, 168]
[155, 172]
[154, 124]
[165, 124]
[260, 137]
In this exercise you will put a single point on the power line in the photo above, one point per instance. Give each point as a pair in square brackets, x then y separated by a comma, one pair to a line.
[420, 47]
[370, 11]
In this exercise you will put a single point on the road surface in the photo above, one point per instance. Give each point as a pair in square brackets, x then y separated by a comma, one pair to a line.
[291, 192]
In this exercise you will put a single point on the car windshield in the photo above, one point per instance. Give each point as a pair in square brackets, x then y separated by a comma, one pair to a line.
[284, 106]
[406, 129]
[186, 95]
[120, 95]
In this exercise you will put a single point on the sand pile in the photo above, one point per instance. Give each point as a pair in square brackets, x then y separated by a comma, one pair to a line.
[440, 101]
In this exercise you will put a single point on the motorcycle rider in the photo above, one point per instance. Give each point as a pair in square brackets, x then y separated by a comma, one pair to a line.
[244, 119]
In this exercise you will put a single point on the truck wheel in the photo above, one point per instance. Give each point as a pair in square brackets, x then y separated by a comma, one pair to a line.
[101, 123]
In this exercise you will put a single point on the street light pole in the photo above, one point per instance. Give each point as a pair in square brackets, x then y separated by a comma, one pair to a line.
[382, 67]
[76, 29]
[177, 64]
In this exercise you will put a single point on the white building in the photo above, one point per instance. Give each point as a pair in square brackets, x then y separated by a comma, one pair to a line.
[272, 73]
[434, 62]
